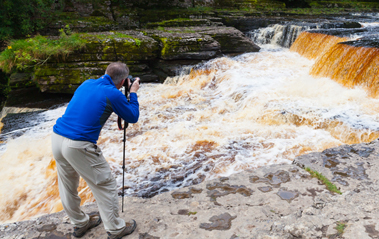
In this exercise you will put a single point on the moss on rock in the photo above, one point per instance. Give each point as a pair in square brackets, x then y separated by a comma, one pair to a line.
[179, 22]
[182, 45]
[82, 24]
[21, 80]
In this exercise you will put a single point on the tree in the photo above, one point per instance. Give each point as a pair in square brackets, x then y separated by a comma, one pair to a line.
[19, 17]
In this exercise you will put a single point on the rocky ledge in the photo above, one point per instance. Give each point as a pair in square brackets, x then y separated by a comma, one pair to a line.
[150, 54]
[277, 201]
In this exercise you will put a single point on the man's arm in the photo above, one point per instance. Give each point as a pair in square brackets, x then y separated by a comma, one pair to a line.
[128, 111]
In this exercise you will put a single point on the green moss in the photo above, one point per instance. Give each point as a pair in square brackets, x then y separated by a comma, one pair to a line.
[90, 22]
[53, 76]
[329, 185]
[179, 22]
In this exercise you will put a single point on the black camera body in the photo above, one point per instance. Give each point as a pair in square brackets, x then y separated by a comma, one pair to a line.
[130, 77]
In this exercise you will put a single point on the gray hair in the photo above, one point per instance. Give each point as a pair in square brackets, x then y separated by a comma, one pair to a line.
[118, 71]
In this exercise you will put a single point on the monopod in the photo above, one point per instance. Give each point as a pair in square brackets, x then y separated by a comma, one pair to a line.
[126, 124]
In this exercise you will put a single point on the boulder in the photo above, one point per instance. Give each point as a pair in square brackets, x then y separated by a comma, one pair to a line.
[185, 45]
[230, 39]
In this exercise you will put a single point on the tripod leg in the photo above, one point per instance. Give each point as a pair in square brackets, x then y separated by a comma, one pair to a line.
[123, 166]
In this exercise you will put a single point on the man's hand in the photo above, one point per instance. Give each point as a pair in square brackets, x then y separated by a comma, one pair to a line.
[135, 85]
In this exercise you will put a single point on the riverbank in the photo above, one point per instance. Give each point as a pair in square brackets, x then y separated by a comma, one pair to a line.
[277, 201]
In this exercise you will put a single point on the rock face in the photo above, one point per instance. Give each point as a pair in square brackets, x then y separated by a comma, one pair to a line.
[150, 54]
[277, 201]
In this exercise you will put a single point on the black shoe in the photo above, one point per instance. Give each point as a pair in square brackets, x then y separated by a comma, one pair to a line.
[129, 229]
[94, 221]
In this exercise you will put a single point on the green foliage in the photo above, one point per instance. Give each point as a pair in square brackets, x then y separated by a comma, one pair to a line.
[340, 228]
[329, 185]
[138, 42]
[21, 54]
[19, 18]
[192, 213]
[66, 31]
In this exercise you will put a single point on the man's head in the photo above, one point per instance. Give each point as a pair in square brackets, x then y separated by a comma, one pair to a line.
[118, 71]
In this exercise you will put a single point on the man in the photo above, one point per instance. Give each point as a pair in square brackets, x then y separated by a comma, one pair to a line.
[76, 153]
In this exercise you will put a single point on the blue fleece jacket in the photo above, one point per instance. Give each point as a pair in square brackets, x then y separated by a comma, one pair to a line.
[90, 107]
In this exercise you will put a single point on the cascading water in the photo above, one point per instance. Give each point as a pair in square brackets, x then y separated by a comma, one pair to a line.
[282, 35]
[351, 59]
[229, 115]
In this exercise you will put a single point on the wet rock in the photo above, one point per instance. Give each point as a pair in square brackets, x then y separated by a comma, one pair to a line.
[221, 222]
[313, 192]
[364, 152]
[17, 124]
[223, 179]
[265, 189]
[332, 159]
[226, 190]
[287, 195]
[183, 195]
[274, 179]
[346, 32]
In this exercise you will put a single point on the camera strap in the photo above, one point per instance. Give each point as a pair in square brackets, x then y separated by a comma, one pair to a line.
[119, 123]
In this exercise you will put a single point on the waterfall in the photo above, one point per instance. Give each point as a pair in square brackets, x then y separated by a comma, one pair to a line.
[282, 35]
[313, 45]
[337, 59]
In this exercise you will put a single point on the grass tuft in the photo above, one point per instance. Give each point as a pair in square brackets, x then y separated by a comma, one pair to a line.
[340, 228]
[329, 185]
[25, 53]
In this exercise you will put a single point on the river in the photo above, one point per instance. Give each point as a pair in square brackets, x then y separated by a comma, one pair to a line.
[228, 115]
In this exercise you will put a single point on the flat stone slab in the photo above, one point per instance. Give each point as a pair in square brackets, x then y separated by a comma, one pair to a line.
[277, 201]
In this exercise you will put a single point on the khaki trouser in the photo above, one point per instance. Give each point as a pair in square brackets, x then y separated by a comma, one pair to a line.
[85, 159]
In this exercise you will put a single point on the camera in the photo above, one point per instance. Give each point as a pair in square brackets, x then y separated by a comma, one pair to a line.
[130, 77]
